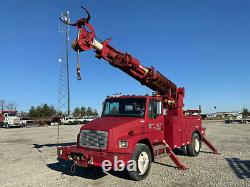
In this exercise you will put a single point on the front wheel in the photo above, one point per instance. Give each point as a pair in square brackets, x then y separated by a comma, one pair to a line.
[143, 159]
[193, 149]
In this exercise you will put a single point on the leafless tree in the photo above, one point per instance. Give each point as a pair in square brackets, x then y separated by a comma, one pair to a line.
[11, 106]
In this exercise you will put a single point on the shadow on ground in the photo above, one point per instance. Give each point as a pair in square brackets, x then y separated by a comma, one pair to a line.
[163, 164]
[64, 167]
[39, 146]
[240, 167]
[207, 152]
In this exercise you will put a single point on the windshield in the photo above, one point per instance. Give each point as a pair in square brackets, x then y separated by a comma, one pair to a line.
[124, 107]
[11, 114]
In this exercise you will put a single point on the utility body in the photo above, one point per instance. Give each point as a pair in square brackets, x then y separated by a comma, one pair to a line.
[133, 127]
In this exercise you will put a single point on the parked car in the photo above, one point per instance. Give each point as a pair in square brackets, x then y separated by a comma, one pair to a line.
[69, 120]
[25, 121]
[87, 119]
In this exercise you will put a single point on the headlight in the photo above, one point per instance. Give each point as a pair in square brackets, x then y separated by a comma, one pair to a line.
[123, 144]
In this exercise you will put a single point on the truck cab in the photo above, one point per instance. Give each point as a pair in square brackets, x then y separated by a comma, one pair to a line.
[124, 121]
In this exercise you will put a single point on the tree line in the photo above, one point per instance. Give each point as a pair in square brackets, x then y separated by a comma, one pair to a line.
[45, 110]
[245, 112]
[83, 111]
[42, 111]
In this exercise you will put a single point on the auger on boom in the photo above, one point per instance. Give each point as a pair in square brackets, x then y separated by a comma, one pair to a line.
[134, 127]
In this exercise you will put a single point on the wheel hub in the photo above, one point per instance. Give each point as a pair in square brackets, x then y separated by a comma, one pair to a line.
[196, 145]
[143, 162]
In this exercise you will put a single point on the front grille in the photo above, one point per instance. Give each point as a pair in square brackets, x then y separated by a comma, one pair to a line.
[94, 139]
[16, 121]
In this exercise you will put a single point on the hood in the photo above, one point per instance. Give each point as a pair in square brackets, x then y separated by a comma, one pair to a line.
[12, 117]
[108, 123]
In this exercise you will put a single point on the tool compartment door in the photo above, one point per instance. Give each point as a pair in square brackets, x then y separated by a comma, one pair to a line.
[185, 130]
[173, 131]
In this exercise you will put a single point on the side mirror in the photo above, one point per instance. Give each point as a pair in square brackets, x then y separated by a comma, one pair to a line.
[164, 111]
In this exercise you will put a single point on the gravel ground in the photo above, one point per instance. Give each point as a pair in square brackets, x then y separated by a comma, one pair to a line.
[28, 158]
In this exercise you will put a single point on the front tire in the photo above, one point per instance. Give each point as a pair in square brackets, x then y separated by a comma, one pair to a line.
[193, 149]
[143, 158]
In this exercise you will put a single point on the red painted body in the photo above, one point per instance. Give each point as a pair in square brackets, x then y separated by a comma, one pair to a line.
[1, 118]
[173, 127]
[9, 111]
[4, 112]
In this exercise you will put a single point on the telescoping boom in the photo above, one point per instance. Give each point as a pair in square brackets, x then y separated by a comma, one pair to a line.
[148, 76]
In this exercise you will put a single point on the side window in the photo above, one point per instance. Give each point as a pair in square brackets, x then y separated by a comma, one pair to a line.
[154, 109]
[112, 108]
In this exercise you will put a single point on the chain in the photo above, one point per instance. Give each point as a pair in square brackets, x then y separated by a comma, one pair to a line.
[73, 168]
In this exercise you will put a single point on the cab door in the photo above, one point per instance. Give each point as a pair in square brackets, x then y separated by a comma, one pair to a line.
[155, 120]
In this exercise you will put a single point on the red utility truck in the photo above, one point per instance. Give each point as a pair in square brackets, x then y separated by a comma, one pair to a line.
[137, 128]
[1, 119]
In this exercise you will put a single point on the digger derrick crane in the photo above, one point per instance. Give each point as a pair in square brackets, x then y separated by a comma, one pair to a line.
[155, 131]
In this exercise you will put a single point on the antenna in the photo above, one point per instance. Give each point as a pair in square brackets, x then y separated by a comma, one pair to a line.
[64, 86]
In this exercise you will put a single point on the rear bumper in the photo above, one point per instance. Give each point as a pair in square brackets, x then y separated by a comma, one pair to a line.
[85, 157]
